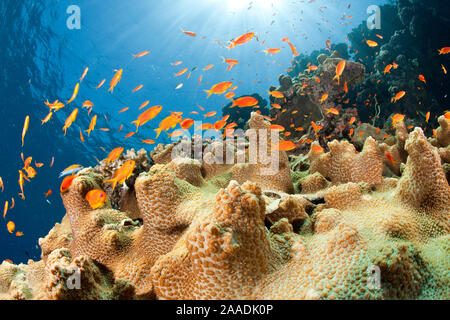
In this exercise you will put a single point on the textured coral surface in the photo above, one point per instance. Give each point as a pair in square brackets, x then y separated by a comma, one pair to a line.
[323, 226]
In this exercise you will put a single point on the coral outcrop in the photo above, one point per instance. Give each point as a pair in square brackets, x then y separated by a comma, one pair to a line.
[232, 231]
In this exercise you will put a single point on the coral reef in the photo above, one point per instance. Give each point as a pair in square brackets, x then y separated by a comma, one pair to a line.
[303, 93]
[208, 230]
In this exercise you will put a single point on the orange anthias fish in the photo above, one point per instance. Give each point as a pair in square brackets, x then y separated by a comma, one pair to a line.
[352, 120]
[100, 84]
[339, 70]
[244, 102]
[230, 95]
[92, 125]
[115, 80]
[276, 94]
[49, 193]
[293, 49]
[333, 111]
[66, 183]
[143, 53]
[272, 51]
[390, 158]
[114, 155]
[422, 78]
[317, 149]
[168, 123]
[189, 33]
[231, 63]
[139, 87]
[397, 118]
[70, 120]
[25, 128]
[84, 74]
[371, 43]
[398, 96]
[96, 198]
[181, 72]
[147, 115]
[324, 97]
[11, 226]
[388, 68]
[144, 104]
[427, 116]
[219, 88]
[75, 93]
[2, 184]
[208, 67]
[276, 127]
[47, 118]
[148, 141]
[444, 50]
[316, 127]
[5, 209]
[210, 114]
[186, 123]
[447, 115]
[285, 146]
[241, 40]
[21, 177]
[124, 172]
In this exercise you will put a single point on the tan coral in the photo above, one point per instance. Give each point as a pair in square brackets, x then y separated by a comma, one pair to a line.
[342, 164]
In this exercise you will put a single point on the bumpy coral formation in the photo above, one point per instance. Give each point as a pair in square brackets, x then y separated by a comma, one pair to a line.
[229, 231]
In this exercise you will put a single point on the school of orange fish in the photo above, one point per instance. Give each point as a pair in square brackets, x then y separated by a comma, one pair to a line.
[96, 198]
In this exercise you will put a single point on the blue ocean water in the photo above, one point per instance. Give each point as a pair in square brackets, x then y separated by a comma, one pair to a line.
[41, 58]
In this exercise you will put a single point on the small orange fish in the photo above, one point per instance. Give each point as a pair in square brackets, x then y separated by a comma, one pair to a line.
[115, 80]
[352, 120]
[84, 74]
[66, 183]
[422, 78]
[244, 102]
[129, 134]
[176, 63]
[276, 106]
[444, 69]
[114, 155]
[70, 119]
[189, 33]
[143, 53]
[276, 94]
[49, 193]
[25, 128]
[272, 51]
[332, 110]
[148, 141]
[285, 146]
[181, 72]
[208, 67]
[277, 128]
[100, 84]
[394, 65]
[123, 173]
[339, 70]
[19, 233]
[91, 125]
[317, 149]
[444, 50]
[219, 88]
[210, 114]
[241, 40]
[388, 68]
[324, 97]
[230, 95]
[186, 123]
[139, 87]
[390, 158]
[427, 116]
[47, 118]
[11, 226]
[371, 43]
[123, 109]
[5, 209]
[316, 127]
[1, 184]
[447, 115]
[397, 118]
[96, 198]
[398, 96]
[75, 93]
[147, 115]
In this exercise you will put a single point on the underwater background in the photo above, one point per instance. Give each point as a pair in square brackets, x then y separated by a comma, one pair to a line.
[41, 58]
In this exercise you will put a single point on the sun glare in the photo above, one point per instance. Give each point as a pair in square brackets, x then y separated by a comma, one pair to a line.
[246, 4]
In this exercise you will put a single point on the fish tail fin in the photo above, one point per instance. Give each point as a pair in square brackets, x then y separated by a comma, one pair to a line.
[137, 125]
[158, 132]
[209, 92]
[234, 103]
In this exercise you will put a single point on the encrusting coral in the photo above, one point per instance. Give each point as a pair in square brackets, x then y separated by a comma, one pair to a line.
[228, 231]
